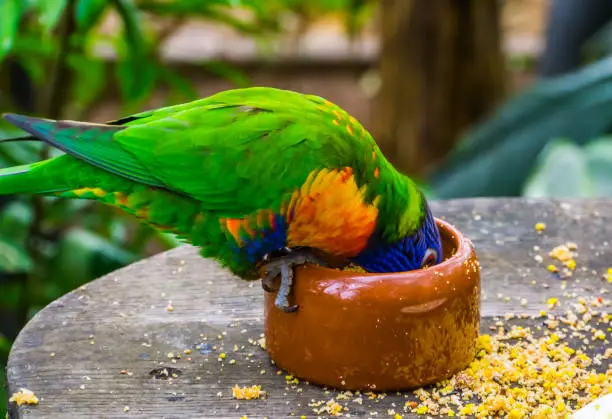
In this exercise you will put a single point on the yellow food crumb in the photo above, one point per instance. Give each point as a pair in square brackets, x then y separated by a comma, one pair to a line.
[23, 396]
[517, 375]
[354, 268]
[571, 264]
[421, 410]
[540, 226]
[516, 414]
[468, 409]
[562, 253]
[552, 268]
[334, 408]
[561, 407]
[247, 393]
[331, 407]
[484, 344]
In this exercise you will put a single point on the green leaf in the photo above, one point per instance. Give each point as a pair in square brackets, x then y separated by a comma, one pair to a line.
[186, 7]
[599, 161]
[497, 156]
[229, 72]
[5, 344]
[565, 169]
[136, 80]
[20, 153]
[357, 14]
[3, 387]
[135, 71]
[182, 88]
[9, 21]
[88, 13]
[84, 255]
[32, 51]
[219, 11]
[9, 131]
[561, 171]
[32, 44]
[15, 220]
[50, 13]
[13, 257]
[90, 79]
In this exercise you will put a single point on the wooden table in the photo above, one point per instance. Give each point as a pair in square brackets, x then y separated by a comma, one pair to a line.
[100, 351]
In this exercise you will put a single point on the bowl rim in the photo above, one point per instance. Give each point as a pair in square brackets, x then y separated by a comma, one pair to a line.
[463, 247]
[463, 251]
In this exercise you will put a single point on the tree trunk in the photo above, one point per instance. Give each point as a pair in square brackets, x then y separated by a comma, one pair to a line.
[442, 69]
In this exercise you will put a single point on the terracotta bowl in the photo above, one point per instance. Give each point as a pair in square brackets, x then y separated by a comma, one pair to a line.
[362, 331]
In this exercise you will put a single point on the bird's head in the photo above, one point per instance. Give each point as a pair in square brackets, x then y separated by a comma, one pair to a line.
[418, 250]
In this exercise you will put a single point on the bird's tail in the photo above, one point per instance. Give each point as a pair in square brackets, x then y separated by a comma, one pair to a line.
[34, 178]
[27, 179]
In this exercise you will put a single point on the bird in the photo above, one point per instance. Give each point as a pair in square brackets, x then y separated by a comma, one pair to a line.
[261, 179]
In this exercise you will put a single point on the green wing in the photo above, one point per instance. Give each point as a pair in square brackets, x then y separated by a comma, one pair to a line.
[90, 142]
[237, 151]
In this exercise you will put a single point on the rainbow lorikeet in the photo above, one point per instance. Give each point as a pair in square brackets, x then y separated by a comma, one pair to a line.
[260, 179]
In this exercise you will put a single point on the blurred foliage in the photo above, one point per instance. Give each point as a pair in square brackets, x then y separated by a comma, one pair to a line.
[549, 140]
[50, 65]
[498, 156]
[599, 45]
[565, 169]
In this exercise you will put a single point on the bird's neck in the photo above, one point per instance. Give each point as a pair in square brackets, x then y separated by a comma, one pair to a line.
[401, 207]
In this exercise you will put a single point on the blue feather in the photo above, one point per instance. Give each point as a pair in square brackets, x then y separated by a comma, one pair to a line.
[405, 254]
[273, 238]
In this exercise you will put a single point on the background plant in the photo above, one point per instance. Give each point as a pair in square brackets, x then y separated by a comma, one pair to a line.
[502, 155]
[50, 64]
[551, 139]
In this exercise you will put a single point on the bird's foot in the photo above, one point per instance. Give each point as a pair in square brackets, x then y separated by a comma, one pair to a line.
[283, 264]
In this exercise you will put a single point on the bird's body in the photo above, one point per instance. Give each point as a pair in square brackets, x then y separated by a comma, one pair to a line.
[242, 174]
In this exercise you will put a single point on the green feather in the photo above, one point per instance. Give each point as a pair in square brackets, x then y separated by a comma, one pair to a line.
[90, 142]
[226, 155]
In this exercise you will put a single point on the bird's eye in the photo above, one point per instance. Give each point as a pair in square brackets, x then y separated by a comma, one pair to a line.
[430, 258]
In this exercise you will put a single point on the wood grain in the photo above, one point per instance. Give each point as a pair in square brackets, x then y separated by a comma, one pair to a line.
[121, 321]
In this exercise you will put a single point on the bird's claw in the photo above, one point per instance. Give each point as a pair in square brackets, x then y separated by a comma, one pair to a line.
[286, 273]
[284, 266]
[268, 280]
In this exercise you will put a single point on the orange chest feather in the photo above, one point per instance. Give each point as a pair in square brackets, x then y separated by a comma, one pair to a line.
[329, 213]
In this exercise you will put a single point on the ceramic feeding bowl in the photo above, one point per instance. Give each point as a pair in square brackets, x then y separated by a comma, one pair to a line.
[383, 332]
